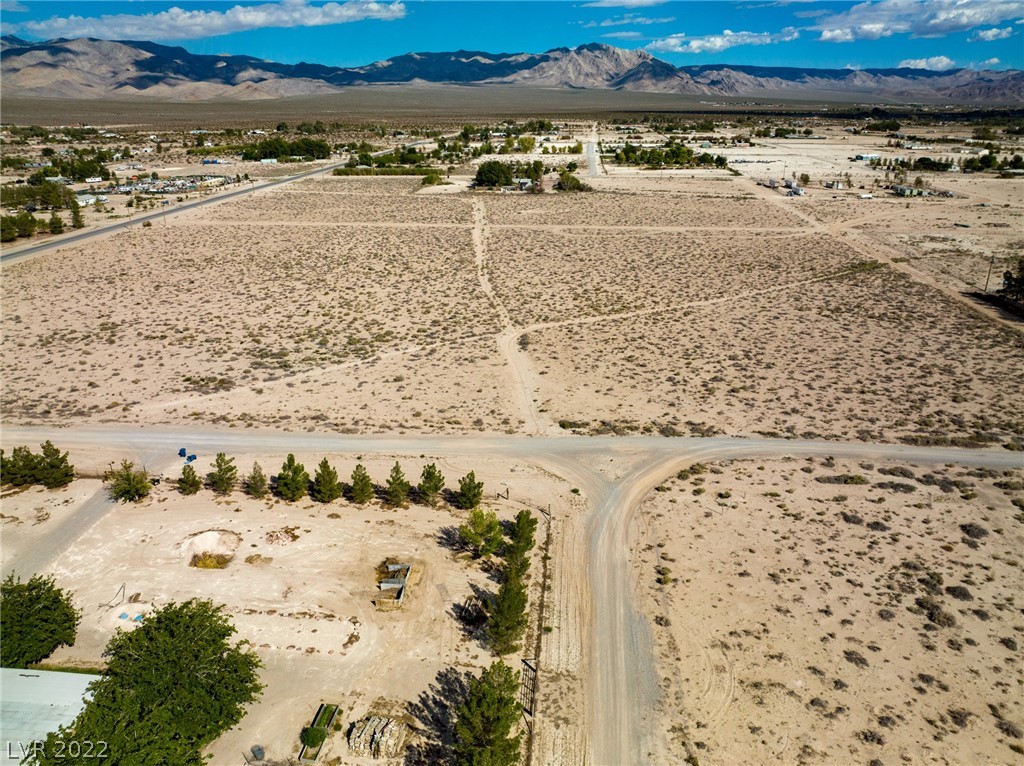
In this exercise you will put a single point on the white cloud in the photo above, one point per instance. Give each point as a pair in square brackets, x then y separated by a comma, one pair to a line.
[714, 43]
[624, 35]
[632, 18]
[919, 18]
[937, 63]
[12, 6]
[988, 35]
[990, 62]
[179, 24]
[623, 3]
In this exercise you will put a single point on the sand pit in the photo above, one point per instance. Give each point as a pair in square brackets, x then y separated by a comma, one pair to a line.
[804, 615]
[212, 549]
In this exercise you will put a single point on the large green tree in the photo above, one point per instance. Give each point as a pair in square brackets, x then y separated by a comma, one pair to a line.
[128, 483]
[362, 486]
[507, 620]
[494, 173]
[189, 483]
[397, 489]
[326, 486]
[431, 484]
[485, 720]
[35, 618]
[292, 481]
[481, 533]
[470, 493]
[171, 686]
[224, 475]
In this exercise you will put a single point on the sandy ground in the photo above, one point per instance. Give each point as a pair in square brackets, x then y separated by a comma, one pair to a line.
[790, 628]
[686, 303]
[300, 586]
[364, 305]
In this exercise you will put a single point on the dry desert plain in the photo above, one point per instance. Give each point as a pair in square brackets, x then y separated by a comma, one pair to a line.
[659, 305]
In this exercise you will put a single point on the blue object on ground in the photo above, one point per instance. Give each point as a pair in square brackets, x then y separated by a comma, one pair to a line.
[124, 615]
[191, 458]
[181, 452]
[138, 618]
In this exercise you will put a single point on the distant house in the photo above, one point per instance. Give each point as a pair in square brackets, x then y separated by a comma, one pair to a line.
[523, 184]
[269, 161]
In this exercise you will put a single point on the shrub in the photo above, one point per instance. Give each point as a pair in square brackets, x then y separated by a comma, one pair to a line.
[960, 593]
[313, 737]
[843, 478]
[128, 484]
[974, 531]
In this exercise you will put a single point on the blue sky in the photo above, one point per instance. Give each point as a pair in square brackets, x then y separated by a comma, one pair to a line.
[935, 34]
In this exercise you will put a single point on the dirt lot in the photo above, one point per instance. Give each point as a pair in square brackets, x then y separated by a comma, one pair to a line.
[300, 586]
[802, 620]
[870, 355]
[366, 305]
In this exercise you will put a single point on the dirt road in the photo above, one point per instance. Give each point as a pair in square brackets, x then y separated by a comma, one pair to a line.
[613, 475]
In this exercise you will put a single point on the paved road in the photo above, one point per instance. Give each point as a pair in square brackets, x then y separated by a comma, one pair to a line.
[75, 239]
[623, 683]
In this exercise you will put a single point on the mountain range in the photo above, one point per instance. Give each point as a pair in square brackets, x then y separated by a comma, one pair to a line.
[86, 68]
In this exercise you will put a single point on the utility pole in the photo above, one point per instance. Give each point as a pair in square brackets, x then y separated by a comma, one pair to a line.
[991, 262]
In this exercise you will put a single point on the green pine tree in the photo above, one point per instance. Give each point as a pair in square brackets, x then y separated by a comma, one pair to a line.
[292, 481]
[506, 623]
[431, 484]
[224, 475]
[52, 468]
[470, 493]
[521, 537]
[255, 484]
[481, 533]
[362, 487]
[397, 490]
[189, 483]
[56, 223]
[326, 486]
[516, 566]
[486, 718]
[20, 469]
[77, 222]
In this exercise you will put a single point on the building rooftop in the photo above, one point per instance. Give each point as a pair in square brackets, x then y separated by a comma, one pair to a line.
[34, 703]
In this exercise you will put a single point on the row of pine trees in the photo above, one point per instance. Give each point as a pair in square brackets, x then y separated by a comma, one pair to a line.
[293, 483]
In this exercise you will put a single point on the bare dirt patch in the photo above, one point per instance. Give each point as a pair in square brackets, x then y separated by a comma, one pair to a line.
[798, 620]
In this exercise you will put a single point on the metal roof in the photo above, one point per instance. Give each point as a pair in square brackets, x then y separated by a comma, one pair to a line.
[35, 702]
